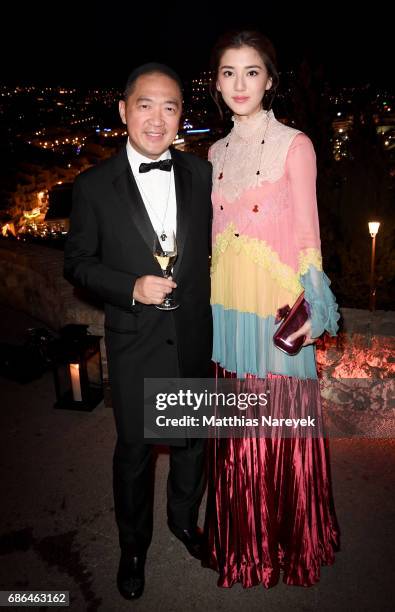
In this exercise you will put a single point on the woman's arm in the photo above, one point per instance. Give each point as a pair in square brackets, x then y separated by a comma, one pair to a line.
[302, 173]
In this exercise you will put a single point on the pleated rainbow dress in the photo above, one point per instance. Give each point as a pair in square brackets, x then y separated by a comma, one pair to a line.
[270, 506]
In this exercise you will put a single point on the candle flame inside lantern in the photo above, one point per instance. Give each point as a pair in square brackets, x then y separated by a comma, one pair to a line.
[75, 381]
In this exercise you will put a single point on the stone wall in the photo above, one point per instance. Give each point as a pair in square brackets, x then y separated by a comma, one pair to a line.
[32, 281]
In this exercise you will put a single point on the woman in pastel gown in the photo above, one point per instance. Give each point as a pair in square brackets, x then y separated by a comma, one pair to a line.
[270, 506]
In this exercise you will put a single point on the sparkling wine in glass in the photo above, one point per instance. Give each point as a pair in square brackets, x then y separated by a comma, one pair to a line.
[165, 253]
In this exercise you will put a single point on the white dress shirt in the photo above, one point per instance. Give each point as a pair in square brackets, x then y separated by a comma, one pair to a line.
[157, 190]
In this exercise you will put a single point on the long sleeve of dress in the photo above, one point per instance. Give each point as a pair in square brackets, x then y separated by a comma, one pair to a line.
[301, 168]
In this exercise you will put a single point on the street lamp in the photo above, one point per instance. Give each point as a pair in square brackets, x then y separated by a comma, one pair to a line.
[373, 229]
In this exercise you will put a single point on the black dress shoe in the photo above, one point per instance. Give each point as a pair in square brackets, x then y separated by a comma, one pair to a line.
[191, 539]
[130, 577]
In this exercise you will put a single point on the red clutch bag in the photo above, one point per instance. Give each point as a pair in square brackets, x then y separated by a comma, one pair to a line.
[292, 319]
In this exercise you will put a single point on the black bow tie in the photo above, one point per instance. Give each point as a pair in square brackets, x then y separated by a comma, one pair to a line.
[163, 164]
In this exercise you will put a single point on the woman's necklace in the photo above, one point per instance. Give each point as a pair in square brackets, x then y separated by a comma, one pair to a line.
[220, 177]
[163, 235]
[258, 171]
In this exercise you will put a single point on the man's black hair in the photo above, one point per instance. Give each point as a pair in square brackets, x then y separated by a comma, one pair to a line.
[150, 68]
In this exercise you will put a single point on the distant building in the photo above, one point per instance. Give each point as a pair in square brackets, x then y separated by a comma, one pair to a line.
[199, 107]
[342, 128]
[59, 205]
[385, 128]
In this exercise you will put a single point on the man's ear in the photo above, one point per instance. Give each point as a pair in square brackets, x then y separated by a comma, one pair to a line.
[122, 110]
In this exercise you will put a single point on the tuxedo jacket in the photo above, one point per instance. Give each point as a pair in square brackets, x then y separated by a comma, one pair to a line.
[110, 245]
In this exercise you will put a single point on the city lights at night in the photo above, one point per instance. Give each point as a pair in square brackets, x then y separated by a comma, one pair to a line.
[159, 230]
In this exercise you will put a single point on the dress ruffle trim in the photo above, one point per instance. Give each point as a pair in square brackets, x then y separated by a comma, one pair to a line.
[260, 253]
[324, 309]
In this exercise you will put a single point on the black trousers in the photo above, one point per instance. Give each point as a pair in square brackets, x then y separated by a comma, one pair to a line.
[133, 481]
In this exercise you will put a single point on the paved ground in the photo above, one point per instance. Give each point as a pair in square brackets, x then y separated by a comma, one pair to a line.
[57, 528]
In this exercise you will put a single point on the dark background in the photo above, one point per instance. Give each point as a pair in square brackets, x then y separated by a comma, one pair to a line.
[340, 55]
[89, 43]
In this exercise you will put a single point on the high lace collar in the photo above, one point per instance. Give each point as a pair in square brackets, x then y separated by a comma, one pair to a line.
[250, 129]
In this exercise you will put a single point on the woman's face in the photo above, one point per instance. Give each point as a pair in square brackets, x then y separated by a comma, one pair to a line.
[243, 80]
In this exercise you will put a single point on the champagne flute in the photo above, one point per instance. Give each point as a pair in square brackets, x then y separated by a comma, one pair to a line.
[165, 253]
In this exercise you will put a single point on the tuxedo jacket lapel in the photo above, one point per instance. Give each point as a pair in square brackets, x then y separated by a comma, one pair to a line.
[183, 185]
[129, 194]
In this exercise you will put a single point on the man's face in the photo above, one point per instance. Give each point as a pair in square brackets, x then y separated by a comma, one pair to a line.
[152, 113]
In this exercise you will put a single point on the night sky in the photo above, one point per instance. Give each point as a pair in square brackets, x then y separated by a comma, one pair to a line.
[89, 43]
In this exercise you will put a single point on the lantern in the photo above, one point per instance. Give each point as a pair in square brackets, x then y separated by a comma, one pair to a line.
[77, 369]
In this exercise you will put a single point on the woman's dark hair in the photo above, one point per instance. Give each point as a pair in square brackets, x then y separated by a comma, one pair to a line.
[245, 38]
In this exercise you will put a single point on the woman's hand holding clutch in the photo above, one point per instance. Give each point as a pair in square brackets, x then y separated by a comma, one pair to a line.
[305, 330]
[295, 329]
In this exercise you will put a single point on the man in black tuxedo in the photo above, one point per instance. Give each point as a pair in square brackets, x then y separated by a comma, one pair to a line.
[118, 207]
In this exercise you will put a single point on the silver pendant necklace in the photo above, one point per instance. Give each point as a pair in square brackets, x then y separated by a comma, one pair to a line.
[163, 235]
